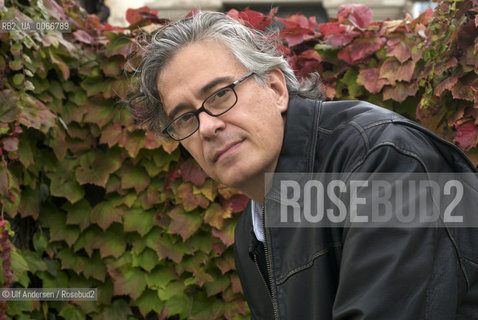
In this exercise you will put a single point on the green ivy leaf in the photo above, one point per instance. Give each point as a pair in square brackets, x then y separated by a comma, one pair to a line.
[25, 153]
[18, 78]
[133, 142]
[30, 203]
[71, 312]
[86, 240]
[173, 288]
[70, 261]
[95, 268]
[134, 177]
[165, 248]
[118, 310]
[16, 64]
[40, 241]
[148, 259]
[113, 66]
[93, 85]
[105, 292]
[180, 304]
[112, 242]
[149, 301]
[219, 284]
[136, 219]
[10, 110]
[160, 277]
[63, 183]
[96, 166]
[128, 281]
[104, 214]
[98, 110]
[78, 213]
[121, 45]
[193, 263]
[59, 230]
[19, 268]
[34, 261]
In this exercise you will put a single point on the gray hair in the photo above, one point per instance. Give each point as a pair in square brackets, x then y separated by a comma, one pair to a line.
[255, 50]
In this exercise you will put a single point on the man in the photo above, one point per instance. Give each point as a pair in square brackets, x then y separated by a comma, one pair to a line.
[233, 102]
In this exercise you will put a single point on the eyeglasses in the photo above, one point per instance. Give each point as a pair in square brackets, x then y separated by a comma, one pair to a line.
[214, 105]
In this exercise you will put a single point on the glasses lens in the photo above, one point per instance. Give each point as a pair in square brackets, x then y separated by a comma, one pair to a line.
[221, 101]
[183, 126]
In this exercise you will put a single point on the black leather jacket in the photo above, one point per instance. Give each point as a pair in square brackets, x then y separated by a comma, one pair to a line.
[359, 273]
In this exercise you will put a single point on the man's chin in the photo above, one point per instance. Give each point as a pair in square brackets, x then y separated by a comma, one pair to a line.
[234, 180]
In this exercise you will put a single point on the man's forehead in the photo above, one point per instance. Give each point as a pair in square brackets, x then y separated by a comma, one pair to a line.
[197, 68]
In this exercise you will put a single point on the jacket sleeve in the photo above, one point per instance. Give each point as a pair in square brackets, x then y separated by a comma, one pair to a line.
[385, 272]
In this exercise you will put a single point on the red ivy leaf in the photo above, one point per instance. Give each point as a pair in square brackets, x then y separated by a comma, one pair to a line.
[360, 48]
[461, 91]
[55, 10]
[446, 84]
[225, 263]
[393, 71]
[10, 144]
[215, 215]
[425, 16]
[307, 62]
[298, 29]
[134, 16]
[236, 203]
[184, 224]
[337, 35]
[190, 200]
[400, 92]
[111, 134]
[151, 141]
[398, 49]
[253, 18]
[359, 15]
[83, 36]
[226, 234]
[60, 63]
[369, 78]
[466, 135]
[192, 172]
[331, 28]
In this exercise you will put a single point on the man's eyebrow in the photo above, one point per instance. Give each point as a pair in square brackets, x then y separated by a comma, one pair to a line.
[177, 109]
[204, 90]
[214, 82]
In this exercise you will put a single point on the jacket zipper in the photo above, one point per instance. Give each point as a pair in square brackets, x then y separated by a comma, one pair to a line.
[269, 268]
[262, 277]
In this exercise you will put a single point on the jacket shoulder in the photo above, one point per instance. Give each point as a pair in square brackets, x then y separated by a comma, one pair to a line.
[363, 124]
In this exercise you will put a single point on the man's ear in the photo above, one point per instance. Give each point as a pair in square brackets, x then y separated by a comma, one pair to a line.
[276, 81]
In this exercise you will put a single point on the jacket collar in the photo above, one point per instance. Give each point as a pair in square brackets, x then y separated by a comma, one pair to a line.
[300, 136]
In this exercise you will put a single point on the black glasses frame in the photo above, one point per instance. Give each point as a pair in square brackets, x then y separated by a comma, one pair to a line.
[196, 113]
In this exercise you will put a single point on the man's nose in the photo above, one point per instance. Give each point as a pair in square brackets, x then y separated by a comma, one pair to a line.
[210, 126]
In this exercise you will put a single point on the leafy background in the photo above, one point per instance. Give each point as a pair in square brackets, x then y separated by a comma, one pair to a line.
[94, 201]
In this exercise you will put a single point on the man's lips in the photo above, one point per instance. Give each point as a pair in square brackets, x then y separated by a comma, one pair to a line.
[226, 149]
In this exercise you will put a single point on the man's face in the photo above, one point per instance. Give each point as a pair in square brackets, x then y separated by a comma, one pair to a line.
[238, 147]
